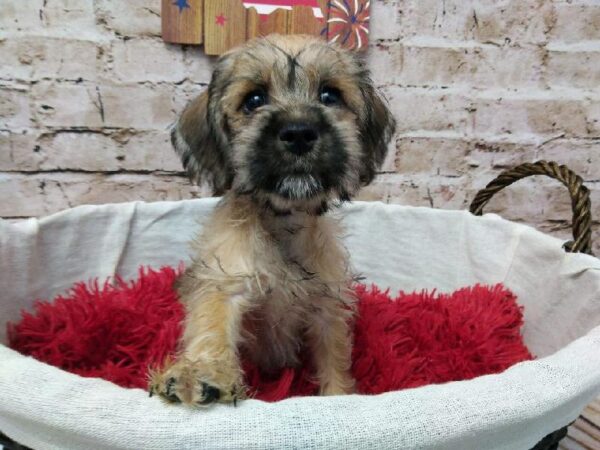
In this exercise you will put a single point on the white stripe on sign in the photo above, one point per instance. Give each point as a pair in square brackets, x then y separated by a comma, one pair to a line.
[268, 9]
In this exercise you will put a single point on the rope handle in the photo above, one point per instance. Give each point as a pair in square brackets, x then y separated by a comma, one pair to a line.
[580, 198]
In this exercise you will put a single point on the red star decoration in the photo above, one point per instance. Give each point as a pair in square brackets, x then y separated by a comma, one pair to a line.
[220, 20]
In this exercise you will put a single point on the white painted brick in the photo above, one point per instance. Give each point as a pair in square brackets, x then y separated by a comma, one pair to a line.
[42, 194]
[131, 17]
[574, 69]
[458, 157]
[537, 115]
[82, 105]
[576, 21]
[582, 156]
[497, 21]
[385, 20]
[441, 192]
[383, 63]
[51, 18]
[149, 151]
[23, 198]
[66, 105]
[524, 21]
[593, 118]
[116, 151]
[138, 60]
[18, 150]
[35, 58]
[442, 64]
[424, 155]
[498, 155]
[68, 14]
[138, 106]
[198, 66]
[74, 151]
[19, 15]
[428, 109]
[14, 107]
[451, 19]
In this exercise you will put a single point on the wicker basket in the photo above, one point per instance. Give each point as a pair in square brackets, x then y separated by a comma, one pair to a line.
[581, 243]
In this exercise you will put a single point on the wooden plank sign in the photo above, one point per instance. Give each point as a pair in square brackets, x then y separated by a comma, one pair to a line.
[262, 25]
[181, 21]
[302, 20]
[223, 24]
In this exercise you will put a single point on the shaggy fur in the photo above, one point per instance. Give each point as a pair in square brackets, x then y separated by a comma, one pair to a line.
[287, 126]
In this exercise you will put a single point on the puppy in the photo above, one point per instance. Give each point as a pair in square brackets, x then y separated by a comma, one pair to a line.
[288, 126]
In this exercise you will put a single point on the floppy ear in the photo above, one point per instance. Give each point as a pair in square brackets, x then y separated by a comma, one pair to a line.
[198, 144]
[376, 131]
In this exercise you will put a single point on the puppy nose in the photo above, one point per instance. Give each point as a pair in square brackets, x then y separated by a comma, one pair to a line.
[299, 137]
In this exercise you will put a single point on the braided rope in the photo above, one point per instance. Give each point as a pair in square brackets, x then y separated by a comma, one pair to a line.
[580, 198]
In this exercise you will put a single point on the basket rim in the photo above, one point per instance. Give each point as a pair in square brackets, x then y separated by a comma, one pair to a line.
[212, 202]
[535, 410]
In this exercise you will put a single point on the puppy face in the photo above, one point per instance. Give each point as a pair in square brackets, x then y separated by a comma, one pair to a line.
[291, 120]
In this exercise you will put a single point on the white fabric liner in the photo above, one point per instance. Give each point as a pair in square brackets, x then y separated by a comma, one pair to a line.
[402, 247]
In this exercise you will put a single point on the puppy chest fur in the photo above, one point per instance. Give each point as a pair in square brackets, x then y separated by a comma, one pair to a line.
[288, 272]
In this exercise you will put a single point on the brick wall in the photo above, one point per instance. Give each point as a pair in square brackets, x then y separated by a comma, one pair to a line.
[88, 89]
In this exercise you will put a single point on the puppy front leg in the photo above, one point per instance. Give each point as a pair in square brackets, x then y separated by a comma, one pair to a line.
[331, 344]
[208, 368]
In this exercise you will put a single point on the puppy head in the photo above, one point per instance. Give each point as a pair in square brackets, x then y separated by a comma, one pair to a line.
[291, 120]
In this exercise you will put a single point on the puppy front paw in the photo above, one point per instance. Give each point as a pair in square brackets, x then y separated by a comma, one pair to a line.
[193, 384]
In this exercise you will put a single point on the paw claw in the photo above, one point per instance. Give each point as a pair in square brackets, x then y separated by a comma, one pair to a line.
[169, 386]
[210, 394]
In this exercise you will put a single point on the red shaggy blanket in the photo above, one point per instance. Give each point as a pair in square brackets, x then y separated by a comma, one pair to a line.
[115, 331]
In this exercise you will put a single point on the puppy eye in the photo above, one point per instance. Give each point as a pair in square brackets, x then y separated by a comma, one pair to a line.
[330, 96]
[253, 100]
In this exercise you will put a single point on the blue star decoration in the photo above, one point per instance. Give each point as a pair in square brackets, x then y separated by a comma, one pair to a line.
[181, 4]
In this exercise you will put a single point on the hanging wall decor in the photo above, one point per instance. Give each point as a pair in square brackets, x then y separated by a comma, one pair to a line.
[223, 24]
